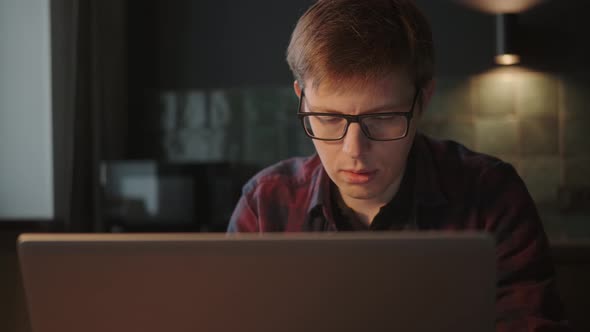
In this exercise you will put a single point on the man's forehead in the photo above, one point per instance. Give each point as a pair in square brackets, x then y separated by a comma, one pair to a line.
[367, 98]
[391, 85]
[395, 81]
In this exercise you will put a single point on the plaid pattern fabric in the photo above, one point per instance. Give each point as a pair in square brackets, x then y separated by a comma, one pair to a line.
[454, 189]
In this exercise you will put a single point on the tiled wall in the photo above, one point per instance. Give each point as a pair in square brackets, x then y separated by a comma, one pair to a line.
[509, 113]
[536, 121]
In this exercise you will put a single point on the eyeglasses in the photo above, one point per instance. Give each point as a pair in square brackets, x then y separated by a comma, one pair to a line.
[386, 126]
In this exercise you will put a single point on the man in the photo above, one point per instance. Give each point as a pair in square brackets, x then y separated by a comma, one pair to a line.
[364, 75]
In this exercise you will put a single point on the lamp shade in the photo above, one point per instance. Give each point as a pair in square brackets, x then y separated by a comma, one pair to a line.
[506, 40]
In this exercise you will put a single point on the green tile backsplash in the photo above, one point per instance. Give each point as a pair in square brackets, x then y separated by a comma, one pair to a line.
[494, 95]
[536, 94]
[539, 136]
[497, 136]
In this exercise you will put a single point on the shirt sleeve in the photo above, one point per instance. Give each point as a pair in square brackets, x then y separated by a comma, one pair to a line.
[243, 219]
[527, 298]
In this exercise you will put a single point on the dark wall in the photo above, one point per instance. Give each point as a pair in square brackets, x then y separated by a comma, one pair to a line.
[211, 43]
[463, 38]
[554, 37]
[551, 37]
[221, 44]
[225, 43]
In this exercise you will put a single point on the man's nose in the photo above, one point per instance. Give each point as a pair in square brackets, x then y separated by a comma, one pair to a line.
[355, 143]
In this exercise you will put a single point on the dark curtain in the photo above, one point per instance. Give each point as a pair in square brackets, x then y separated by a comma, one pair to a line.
[89, 61]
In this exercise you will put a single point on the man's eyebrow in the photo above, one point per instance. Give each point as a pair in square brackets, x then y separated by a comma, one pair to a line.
[378, 109]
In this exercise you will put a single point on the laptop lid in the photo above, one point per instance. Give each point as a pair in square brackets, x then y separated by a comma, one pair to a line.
[276, 282]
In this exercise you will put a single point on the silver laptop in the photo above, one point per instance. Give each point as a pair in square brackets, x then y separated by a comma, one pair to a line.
[279, 282]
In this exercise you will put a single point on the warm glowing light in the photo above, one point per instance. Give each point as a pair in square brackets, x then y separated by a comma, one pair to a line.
[507, 59]
[501, 6]
[515, 93]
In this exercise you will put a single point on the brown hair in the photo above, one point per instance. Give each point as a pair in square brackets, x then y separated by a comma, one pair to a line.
[361, 40]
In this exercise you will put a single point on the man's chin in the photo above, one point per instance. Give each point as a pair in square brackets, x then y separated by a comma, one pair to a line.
[357, 193]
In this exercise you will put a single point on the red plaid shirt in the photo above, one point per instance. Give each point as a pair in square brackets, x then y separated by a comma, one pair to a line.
[454, 189]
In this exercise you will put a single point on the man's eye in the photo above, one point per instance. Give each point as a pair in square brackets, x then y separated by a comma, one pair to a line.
[330, 119]
[384, 117]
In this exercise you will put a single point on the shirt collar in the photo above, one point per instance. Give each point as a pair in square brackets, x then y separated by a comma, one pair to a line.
[320, 192]
[428, 189]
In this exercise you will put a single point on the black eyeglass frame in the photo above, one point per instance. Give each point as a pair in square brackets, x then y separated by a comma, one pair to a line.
[357, 119]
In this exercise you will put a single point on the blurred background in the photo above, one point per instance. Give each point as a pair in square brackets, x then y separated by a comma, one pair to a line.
[122, 116]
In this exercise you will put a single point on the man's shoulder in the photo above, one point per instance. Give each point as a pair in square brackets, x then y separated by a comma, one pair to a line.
[462, 172]
[476, 186]
[452, 156]
[292, 172]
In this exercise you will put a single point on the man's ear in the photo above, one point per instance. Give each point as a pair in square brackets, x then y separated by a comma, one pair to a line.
[297, 88]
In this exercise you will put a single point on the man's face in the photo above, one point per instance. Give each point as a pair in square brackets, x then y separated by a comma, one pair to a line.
[363, 169]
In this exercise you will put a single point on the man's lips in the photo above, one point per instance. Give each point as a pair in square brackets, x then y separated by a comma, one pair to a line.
[358, 176]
